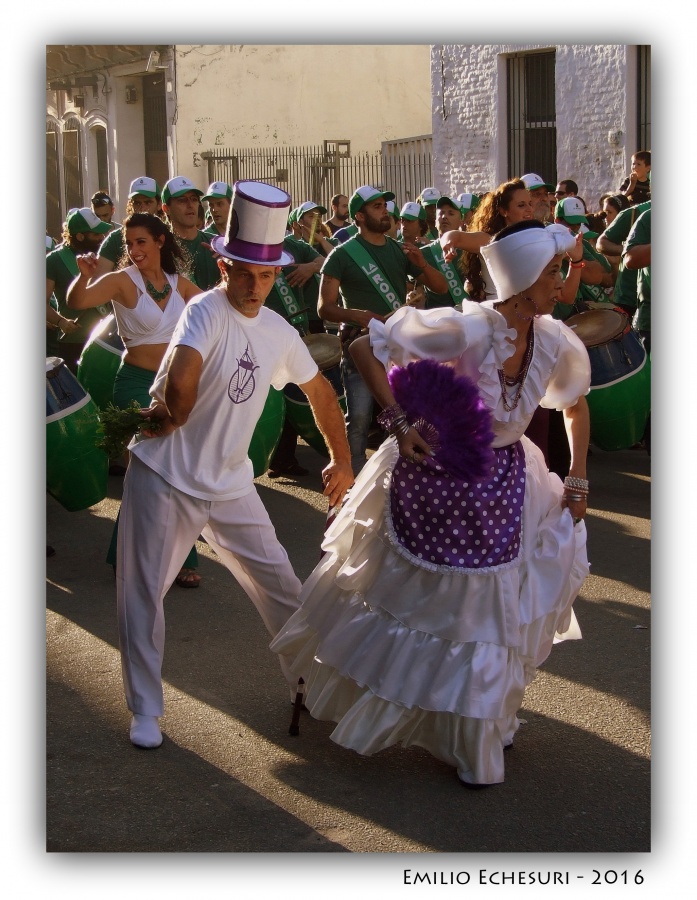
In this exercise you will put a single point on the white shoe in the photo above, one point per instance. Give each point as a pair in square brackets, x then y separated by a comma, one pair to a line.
[145, 731]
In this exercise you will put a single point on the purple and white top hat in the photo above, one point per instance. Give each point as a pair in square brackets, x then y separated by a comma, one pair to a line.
[256, 225]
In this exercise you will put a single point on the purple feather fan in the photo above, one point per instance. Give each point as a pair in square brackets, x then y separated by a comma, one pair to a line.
[434, 397]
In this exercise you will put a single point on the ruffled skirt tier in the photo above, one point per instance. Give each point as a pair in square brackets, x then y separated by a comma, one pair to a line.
[396, 652]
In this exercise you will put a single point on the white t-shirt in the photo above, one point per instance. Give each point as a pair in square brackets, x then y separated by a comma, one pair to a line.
[242, 357]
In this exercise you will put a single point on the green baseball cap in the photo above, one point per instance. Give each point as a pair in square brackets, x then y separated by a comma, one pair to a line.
[412, 211]
[365, 194]
[145, 186]
[177, 187]
[571, 210]
[218, 190]
[450, 201]
[83, 220]
[309, 206]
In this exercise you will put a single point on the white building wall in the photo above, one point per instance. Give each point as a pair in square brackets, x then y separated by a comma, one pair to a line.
[282, 95]
[595, 98]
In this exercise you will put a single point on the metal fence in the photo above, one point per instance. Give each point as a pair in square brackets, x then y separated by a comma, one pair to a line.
[319, 172]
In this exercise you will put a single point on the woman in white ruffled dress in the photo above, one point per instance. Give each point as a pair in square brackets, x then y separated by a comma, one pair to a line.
[453, 564]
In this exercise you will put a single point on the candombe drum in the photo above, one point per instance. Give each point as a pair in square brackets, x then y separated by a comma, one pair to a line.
[267, 432]
[76, 469]
[325, 349]
[100, 360]
[620, 395]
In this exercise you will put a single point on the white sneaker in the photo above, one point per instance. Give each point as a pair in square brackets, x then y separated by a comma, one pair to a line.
[145, 731]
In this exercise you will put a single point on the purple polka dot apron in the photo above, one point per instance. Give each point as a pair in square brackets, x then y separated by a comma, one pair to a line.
[441, 520]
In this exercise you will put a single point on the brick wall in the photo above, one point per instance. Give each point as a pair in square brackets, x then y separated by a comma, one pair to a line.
[594, 97]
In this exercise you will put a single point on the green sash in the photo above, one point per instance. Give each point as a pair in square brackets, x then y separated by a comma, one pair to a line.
[377, 279]
[456, 288]
[290, 303]
[67, 257]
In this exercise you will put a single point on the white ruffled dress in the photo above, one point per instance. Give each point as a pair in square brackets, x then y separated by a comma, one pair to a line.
[395, 650]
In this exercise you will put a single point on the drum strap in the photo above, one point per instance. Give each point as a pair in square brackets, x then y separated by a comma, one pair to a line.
[290, 303]
[456, 288]
[372, 272]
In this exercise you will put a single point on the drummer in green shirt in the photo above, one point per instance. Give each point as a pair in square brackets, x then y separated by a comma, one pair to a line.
[180, 202]
[449, 217]
[611, 243]
[219, 199]
[596, 273]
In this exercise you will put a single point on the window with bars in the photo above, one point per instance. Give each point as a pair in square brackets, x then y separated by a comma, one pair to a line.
[643, 141]
[532, 116]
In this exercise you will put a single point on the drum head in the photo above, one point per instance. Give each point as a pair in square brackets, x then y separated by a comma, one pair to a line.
[325, 349]
[598, 326]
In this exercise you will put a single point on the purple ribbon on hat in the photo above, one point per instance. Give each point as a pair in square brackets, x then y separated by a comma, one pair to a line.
[261, 253]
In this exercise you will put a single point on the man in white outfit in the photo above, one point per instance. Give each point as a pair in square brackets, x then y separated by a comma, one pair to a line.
[194, 476]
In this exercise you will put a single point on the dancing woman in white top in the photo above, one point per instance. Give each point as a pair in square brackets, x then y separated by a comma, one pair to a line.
[148, 298]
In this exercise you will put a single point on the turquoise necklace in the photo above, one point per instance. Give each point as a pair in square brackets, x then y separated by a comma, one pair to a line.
[157, 295]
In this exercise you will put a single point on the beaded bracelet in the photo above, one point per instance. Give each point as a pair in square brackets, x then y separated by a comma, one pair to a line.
[394, 420]
[580, 484]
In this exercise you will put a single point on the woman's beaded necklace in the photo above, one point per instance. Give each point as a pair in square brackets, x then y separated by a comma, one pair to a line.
[156, 295]
[510, 381]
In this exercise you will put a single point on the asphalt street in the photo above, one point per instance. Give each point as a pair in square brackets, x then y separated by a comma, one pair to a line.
[229, 778]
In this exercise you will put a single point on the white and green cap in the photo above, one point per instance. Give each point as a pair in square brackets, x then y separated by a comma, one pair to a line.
[412, 211]
[468, 202]
[309, 206]
[532, 182]
[83, 220]
[365, 194]
[392, 209]
[429, 196]
[177, 187]
[145, 186]
[218, 190]
[571, 210]
[450, 201]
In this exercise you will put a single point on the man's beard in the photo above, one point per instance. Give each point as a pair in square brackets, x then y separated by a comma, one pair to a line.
[540, 210]
[376, 223]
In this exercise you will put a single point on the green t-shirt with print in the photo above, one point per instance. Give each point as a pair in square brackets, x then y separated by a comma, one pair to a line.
[641, 234]
[356, 291]
[302, 252]
[306, 294]
[431, 253]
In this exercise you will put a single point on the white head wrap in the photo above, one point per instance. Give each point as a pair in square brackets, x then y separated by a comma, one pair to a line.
[517, 261]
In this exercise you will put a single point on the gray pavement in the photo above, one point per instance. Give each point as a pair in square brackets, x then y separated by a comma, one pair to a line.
[230, 778]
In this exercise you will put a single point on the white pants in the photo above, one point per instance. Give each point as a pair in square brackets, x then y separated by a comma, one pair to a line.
[158, 526]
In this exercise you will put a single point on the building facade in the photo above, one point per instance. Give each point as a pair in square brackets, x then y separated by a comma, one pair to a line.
[115, 112]
[561, 111]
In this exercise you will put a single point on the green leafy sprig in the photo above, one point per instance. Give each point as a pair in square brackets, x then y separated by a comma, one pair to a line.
[119, 425]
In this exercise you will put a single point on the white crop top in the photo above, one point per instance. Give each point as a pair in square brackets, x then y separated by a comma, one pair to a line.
[146, 323]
